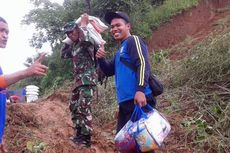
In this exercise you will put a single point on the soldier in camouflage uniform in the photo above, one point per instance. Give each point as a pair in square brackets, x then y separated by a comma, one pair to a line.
[82, 53]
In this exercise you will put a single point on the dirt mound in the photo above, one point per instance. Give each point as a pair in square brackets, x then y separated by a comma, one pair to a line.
[48, 120]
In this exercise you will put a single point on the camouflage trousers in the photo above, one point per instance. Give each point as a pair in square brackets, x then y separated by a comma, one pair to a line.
[80, 107]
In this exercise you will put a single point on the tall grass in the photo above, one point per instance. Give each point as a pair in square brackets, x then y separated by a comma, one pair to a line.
[146, 17]
[106, 105]
[170, 8]
[209, 64]
[204, 80]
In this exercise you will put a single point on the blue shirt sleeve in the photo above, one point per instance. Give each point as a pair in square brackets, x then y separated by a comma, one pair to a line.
[107, 66]
[138, 52]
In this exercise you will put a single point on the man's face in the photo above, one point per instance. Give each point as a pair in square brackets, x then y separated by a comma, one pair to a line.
[119, 29]
[4, 31]
[74, 35]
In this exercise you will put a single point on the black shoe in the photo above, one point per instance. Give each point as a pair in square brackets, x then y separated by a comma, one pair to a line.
[76, 138]
[84, 140]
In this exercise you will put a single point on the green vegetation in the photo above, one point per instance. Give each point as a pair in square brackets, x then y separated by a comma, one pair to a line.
[209, 63]
[198, 86]
[36, 147]
[106, 105]
[154, 16]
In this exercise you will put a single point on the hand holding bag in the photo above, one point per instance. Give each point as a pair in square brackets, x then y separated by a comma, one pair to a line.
[143, 132]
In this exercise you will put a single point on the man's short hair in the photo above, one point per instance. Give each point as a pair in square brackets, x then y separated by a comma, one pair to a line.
[69, 27]
[2, 20]
[109, 16]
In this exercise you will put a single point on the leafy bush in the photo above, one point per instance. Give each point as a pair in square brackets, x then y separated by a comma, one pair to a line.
[106, 105]
[209, 64]
[204, 79]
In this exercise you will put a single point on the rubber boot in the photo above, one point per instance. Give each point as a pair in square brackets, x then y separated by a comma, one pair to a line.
[85, 141]
[77, 137]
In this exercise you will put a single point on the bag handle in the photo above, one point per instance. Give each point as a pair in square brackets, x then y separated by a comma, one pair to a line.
[136, 115]
[139, 113]
[149, 107]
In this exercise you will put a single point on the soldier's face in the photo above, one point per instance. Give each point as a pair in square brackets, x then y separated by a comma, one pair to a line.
[74, 35]
[4, 31]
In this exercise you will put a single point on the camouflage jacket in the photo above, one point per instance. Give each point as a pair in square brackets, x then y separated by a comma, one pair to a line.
[82, 55]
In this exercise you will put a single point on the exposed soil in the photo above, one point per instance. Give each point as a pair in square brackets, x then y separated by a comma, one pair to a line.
[48, 119]
[196, 24]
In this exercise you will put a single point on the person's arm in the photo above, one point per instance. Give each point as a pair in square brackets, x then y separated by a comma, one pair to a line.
[36, 69]
[138, 51]
[108, 67]
[3, 83]
[85, 32]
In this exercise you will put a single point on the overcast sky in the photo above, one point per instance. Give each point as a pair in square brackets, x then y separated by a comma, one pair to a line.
[17, 49]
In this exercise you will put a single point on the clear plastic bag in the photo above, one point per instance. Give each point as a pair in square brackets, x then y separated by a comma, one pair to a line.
[143, 132]
[151, 131]
[124, 140]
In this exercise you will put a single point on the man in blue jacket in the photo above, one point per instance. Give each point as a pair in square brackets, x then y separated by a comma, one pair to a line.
[132, 87]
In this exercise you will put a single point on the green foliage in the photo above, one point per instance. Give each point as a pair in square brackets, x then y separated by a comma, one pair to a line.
[100, 7]
[49, 17]
[209, 64]
[146, 17]
[203, 78]
[170, 8]
[209, 127]
[36, 147]
[106, 103]
[59, 71]
[47, 20]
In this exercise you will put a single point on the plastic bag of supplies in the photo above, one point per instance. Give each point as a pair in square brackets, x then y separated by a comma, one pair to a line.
[152, 129]
[124, 139]
[143, 132]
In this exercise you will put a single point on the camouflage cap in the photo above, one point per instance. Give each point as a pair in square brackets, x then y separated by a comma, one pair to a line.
[70, 26]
